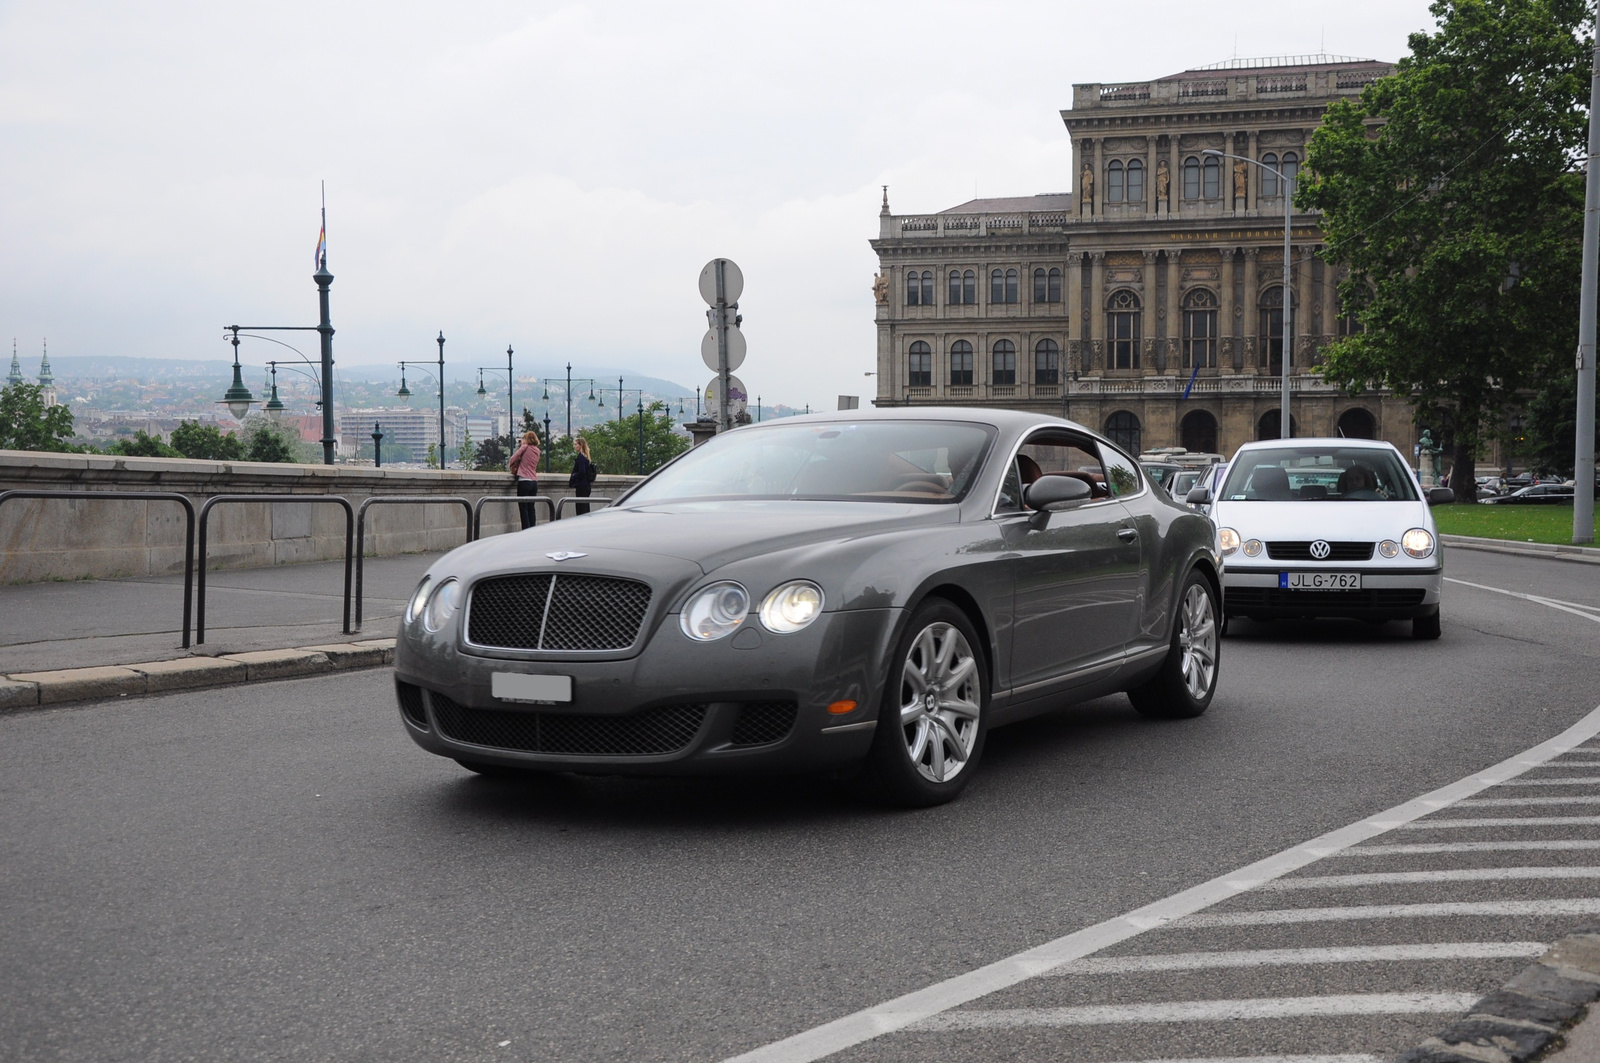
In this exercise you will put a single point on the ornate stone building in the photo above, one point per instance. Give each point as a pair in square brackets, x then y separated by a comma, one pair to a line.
[1163, 267]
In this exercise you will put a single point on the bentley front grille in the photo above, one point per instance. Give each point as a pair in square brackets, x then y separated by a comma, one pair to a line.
[652, 733]
[547, 611]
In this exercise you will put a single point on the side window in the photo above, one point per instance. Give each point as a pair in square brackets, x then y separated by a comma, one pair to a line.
[1010, 500]
[1053, 452]
[1121, 473]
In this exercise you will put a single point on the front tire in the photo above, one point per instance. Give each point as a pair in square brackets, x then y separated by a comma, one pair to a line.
[935, 709]
[1425, 627]
[1183, 688]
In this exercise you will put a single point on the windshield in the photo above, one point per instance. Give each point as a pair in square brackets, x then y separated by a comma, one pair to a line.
[1327, 473]
[882, 461]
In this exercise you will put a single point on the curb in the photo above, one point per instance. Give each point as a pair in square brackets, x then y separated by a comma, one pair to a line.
[1527, 1015]
[21, 691]
[1587, 555]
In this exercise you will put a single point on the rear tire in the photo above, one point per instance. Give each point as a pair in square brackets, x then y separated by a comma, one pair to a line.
[1183, 688]
[934, 712]
[1425, 627]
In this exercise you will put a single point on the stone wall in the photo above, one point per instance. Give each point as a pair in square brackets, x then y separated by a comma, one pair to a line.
[80, 539]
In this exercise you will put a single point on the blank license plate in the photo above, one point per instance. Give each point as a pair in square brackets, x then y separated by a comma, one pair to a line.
[538, 689]
[1319, 581]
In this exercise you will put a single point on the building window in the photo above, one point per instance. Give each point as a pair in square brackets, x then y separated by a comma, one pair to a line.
[921, 366]
[927, 287]
[1011, 286]
[1291, 170]
[1122, 330]
[1135, 181]
[1122, 428]
[961, 363]
[1005, 362]
[1357, 423]
[1350, 325]
[1003, 286]
[1271, 332]
[1046, 362]
[1200, 329]
[1053, 291]
[1114, 182]
[1046, 286]
[1191, 178]
[1213, 178]
[963, 287]
[919, 288]
[1198, 432]
[1040, 290]
[1269, 178]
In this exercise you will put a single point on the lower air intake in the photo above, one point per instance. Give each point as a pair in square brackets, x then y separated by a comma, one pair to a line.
[763, 722]
[411, 703]
[651, 733]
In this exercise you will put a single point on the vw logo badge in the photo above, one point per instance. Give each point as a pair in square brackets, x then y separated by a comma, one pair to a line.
[568, 555]
[1320, 550]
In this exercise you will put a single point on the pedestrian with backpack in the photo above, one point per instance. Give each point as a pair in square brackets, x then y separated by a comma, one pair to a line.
[583, 473]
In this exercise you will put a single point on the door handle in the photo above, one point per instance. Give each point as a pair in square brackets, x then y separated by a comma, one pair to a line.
[1127, 535]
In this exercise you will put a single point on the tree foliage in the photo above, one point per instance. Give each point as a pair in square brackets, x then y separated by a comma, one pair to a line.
[614, 445]
[26, 423]
[1459, 216]
[265, 441]
[206, 442]
[142, 445]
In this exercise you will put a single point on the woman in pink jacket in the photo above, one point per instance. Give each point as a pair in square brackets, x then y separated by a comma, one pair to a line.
[524, 465]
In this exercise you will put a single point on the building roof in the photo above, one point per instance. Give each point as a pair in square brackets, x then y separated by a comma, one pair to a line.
[1278, 64]
[1008, 204]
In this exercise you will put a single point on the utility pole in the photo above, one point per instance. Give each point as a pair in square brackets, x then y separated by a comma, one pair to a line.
[1583, 452]
[443, 460]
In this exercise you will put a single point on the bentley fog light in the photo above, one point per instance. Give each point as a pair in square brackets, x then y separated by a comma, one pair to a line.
[714, 612]
[1252, 548]
[791, 607]
[419, 596]
[1389, 548]
[442, 605]
[1229, 539]
[1417, 542]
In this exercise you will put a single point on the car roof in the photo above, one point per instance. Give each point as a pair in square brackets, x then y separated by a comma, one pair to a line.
[1005, 420]
[1320, 441]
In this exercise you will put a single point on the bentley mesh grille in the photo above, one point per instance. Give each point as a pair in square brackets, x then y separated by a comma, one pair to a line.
[653, 732]
[411, 702]
[557, 612]
[1244, 599]
[763, 722]
[1337, 552]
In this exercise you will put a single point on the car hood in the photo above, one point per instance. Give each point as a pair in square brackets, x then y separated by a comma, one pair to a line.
[1335, 521]
[707, 534]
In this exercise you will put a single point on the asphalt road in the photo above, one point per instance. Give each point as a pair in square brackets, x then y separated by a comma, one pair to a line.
[276, 872]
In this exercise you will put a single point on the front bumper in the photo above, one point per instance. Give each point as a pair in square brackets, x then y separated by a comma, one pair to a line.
[677, 707]
[1390, 593]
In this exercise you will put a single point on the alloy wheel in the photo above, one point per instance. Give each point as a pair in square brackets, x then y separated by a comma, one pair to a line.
[1197, 642]
[940, 695]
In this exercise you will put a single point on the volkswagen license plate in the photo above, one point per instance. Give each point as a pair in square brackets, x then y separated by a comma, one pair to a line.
[531, 689]
[1319, 581]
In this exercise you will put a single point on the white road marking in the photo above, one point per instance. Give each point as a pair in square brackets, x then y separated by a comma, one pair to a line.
[1203, 1011]
[1470, 847]
[1358, 1058]
[1503, 821]
[1355, 912]
[1571, 780]
[1200, 961]
[1555, 603]
[1472, 874]
[1529, 802]
[903, 1011]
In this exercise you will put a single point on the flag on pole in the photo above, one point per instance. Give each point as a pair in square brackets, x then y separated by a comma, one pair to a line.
[322, 246]
[1190, 386]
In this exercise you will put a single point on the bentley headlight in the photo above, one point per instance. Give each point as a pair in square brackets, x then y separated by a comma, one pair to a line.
[1417, 542]
[1389, 548]
[419, 596]
[791, 606]
[716, 611]
[442, 605]
[1252, 548]
[1229, 539]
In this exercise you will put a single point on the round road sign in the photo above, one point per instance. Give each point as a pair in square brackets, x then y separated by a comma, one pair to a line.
[738, 396]
[736, 349]
[732, 281]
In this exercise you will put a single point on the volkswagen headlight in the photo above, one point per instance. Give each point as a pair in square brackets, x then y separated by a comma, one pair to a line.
[791, 607]
[714, 612]
[442, 605]
[418, 597]
[1229, 540]
[1252, 548]
[1389, 548]
[1417, 542]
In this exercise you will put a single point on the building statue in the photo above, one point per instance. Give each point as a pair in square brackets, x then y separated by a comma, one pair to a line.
[1429, 452]
[880, 288]
[1086, 185]
[1239, 181]
[1163, 183]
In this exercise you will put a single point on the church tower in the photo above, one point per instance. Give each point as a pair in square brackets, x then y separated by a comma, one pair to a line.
[16, 367]
[47, 380]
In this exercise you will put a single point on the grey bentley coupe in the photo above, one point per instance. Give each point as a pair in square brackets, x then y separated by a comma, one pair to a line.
[872, 589]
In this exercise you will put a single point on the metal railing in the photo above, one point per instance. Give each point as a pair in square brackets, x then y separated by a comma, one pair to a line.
[573, 500]
[477, 508]
[205, 513]
[420, 500]
[139, 496]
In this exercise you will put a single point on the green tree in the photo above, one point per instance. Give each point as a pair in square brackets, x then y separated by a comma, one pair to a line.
[614, 445]
[143, 445]
[493, 453]
[1450, 193]
[268, 442]
[1551, 422]
[195, 440]
[26, 423]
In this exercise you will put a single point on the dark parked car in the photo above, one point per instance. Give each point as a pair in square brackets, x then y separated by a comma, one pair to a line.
[872, 589]
[1550, 494]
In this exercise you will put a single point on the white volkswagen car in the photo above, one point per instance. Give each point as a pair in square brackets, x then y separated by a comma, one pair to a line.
[1328, 528]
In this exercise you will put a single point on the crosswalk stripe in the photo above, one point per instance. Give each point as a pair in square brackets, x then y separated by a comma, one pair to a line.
[1472, 874]
[1202, 1011]
[1200, 961]
[1352, 913]
[1502, 821]
[1528, 802]
[1402, 848]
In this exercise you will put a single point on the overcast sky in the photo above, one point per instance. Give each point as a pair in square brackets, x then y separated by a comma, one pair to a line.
[548, 175]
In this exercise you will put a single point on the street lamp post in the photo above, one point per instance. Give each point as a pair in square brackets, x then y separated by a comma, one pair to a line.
[1285, 425]
[405, 393]
[547, 439]
[443, 460]
[377, 445]
[581, 380]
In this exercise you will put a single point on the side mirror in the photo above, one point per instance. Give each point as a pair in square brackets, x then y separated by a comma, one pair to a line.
[1438, 496]
[1198, 496]
[1050, 491]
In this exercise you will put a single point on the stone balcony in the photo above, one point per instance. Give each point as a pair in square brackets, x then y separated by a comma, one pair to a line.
[933, 226]
[1244, 384]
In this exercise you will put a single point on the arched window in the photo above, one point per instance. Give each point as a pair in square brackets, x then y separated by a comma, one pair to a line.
[969, 287]
[920, 368]
[1269, 178]
[961, 363]
[1191, 178]
[1357, 423]
[1212, 188]
[1011, 286]
[1291, 170]
[1200, 329]
[1005, 362]
[953, 295]
[1046, 362]
[1122, 330]
[1040, 292]
[1114, 182]
[1198, 432]
[1267, 426]
[919, 288]
[1053, 291]
[1270, 335]
[1122, 428]
[1135, 181]
[927, 287]
[997, 286]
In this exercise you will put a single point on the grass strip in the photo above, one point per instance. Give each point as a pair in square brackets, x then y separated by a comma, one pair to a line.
[1526, 524]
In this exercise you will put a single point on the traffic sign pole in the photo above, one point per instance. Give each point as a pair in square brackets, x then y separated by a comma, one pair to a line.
[722, 346]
